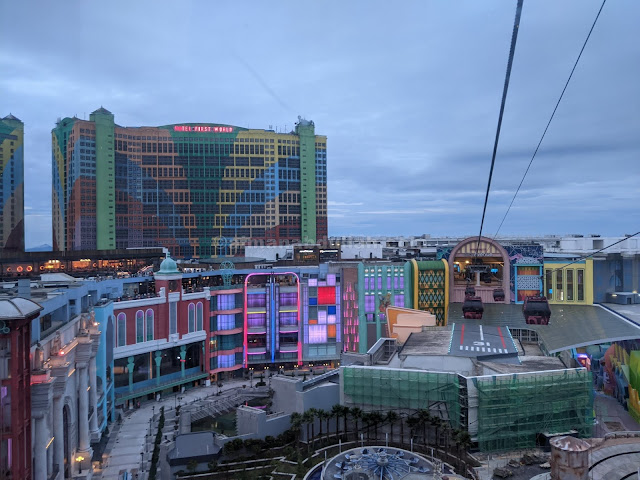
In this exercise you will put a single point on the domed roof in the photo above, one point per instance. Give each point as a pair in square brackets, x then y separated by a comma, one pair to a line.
[18, 308]
[168, 267]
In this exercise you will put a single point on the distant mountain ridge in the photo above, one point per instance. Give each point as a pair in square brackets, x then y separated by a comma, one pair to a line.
[40, 248]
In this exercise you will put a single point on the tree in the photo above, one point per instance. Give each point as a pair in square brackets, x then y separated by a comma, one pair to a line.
[192, 465]
[413, 423]
[307, 419]
[366, 422]
[322, 415]
[391, 417]
[376, 419]
[356, 414]
[463, 441]
[424, 417]
[336, 411]
[296, 423]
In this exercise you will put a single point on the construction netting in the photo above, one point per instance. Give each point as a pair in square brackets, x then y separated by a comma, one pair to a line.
[387, 388]
[518, 411]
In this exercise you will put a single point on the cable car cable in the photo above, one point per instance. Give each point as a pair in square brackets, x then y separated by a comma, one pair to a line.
[514, 38]
[551, 118]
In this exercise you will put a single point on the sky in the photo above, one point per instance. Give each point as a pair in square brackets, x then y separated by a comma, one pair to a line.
[408, 97]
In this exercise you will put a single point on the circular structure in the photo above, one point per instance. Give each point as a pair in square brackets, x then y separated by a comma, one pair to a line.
[384, 463]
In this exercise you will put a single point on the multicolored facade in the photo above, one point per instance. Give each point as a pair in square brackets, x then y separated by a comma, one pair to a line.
[201, 190]
[430, 288]
[572, 284]
[380, 284]
[11, 184]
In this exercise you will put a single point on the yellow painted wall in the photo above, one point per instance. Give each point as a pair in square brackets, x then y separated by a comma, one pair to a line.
[587, 266]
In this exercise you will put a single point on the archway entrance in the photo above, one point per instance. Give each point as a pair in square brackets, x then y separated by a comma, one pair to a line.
[485, 267]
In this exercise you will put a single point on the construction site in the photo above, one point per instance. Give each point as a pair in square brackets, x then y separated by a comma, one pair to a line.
[515, 398]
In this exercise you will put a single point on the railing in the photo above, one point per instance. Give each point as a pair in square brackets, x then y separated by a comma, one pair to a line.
[54, 472]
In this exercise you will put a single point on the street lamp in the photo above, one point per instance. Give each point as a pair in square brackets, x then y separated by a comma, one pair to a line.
[142, 461]
[251, 377]
[79, 459]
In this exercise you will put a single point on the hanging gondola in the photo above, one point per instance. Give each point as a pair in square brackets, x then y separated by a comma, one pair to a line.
[498, 295]
[469, 292]
[536, 310]
[472, 308]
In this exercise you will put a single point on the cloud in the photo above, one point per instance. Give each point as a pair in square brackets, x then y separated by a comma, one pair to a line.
[410, 114]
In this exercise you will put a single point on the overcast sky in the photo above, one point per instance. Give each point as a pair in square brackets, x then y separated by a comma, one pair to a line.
[408, 94]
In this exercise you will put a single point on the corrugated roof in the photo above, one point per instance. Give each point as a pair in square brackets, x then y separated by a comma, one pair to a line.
[571, 326]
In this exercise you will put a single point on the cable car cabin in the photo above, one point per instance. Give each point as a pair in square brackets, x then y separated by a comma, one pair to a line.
[498, 295]
[536, 310]
[469, 292]
[472, 308]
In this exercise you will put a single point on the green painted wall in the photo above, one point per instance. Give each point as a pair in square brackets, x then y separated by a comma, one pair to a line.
[105, 180]
[306, 131]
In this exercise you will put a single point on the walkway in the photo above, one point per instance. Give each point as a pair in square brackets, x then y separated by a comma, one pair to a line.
[131, 437]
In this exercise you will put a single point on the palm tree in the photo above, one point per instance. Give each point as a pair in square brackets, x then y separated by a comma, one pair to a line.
[321, 414]
[413, 423]
[376, 419]
[336, 411]
[463, 441]
[356, 414]
[391, 417]
[313, 413]
[296, 423]
[344, 411]
[366, 422]
[307, 418]
[425, 418]
[437, 423]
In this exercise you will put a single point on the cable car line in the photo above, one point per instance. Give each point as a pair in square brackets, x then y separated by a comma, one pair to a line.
[514, 38]
[550, 119]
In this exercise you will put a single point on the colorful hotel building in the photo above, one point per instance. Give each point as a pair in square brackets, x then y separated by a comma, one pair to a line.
[201, 190]
[11, 184]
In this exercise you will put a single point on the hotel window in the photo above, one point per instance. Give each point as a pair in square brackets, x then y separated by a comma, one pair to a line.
[173, 318]
[549, 284]
[139, 326]
[149, 324]
[570, 285]
[199, 316]
[192, 317]
[580, 285]
[226, 322]
[559, 291]
[122, 329]
[369, 303]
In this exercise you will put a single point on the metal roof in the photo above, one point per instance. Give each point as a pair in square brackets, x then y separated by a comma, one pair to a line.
[571, 326]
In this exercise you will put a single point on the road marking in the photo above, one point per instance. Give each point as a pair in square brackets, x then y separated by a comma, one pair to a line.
[483, 349]
[460, 347]
[462, 335]
[494, 349]
[481, 333]
[466, 347]
[504, 345]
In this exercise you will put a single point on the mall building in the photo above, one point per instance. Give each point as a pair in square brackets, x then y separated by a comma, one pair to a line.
[198, 189]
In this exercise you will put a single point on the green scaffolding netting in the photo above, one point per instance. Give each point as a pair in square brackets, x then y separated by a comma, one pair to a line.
[513, 410]
[402, 389]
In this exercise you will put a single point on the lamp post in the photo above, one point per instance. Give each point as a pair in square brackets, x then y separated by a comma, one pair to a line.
[79, 459]
[251, 377]
[142, 461]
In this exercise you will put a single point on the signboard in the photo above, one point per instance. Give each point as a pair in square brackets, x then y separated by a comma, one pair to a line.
[202, 128]
[477, 268]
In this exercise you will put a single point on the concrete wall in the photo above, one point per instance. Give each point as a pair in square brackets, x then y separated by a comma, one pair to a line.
[255, 423]
[290, 397]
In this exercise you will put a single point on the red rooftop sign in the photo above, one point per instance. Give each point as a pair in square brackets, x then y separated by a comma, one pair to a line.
[202, 128]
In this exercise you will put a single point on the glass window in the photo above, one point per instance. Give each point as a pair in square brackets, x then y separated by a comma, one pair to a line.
[559, 289]
[570, 285]
[122, 329]
[226, 322]
[379, 283]
[398, 300]
[139, 326]
[149, 324]
[192, 317]
[173, 318]
[580, 285]
[227, 302]
[317, 333]
[549, 284]
[388, 283]
[226, 361]
[401, 282]
[369, 303]
[199, 308]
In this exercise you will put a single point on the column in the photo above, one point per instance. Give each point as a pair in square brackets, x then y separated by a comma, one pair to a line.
[83, 414]
[58, 432]
[183, 358]
[93, 396]
[40, 447]
[130, 367]
[158, 360]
